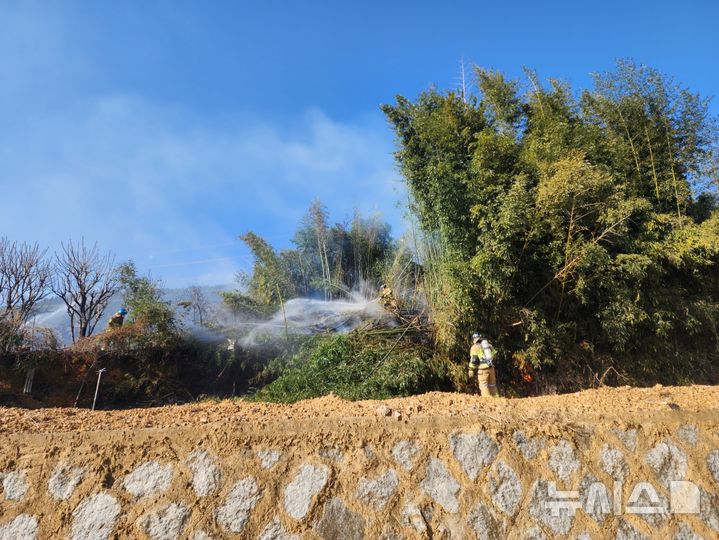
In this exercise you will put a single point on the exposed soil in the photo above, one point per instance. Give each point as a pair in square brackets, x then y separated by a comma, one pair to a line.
[439, 465]
[588, 405]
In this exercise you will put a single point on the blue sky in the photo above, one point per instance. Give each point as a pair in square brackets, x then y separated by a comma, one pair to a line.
[162, 130]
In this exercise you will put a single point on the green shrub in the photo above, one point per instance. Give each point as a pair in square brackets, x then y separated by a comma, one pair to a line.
[354, 368]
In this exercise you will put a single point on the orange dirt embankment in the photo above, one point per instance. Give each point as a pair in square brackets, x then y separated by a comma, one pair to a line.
[622, 403]
[432, 466]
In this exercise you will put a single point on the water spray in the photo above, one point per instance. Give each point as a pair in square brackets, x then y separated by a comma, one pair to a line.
[305, 316]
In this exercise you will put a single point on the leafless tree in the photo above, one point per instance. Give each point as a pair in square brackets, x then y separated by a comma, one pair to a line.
[200, 305]
[24, 279]
[85, 280]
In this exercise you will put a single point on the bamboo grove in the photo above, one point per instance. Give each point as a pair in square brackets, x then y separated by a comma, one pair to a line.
[579, 229]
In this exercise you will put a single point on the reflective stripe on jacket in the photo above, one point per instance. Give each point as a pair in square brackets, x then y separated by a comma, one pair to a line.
[476, 357]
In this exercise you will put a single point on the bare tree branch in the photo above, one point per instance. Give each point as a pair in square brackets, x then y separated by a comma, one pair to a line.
[200, 305]
[85, 281]
[24, 279]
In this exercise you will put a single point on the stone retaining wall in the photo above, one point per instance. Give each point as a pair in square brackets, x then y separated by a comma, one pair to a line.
[368, 478]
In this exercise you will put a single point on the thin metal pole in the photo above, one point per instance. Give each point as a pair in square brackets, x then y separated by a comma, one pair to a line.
[97, 388]
[84, 378]
[29, 378]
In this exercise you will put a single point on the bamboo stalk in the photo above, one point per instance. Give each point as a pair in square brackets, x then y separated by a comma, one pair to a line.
[631, 141]
[651, 158]
[671, 166]
[568, 267]
[535, 84]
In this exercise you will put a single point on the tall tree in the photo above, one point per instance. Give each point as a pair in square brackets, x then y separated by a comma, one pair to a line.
[199, 304]
[148, 310]
[271, 281]
[24, 278]
[318, 218]
[85, 280]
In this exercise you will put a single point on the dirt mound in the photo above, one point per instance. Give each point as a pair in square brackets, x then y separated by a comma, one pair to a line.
[588, 405]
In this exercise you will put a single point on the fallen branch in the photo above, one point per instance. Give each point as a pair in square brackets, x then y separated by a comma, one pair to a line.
[394, 345]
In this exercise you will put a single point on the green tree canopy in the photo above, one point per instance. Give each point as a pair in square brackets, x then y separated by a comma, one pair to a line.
[578, 229]
[146, 307]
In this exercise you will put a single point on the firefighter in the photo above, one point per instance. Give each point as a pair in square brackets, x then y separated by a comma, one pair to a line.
[481, 365]
[117, 319]
[389, 302]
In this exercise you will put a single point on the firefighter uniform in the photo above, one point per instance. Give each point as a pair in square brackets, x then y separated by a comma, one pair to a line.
[115, 321]
[389, 302]
[481, 365]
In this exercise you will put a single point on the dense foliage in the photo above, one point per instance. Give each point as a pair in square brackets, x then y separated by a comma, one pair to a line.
[149, 314]
[355, 367]
[580, 231]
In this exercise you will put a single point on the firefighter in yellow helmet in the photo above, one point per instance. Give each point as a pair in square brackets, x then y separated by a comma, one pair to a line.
[481, 365]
